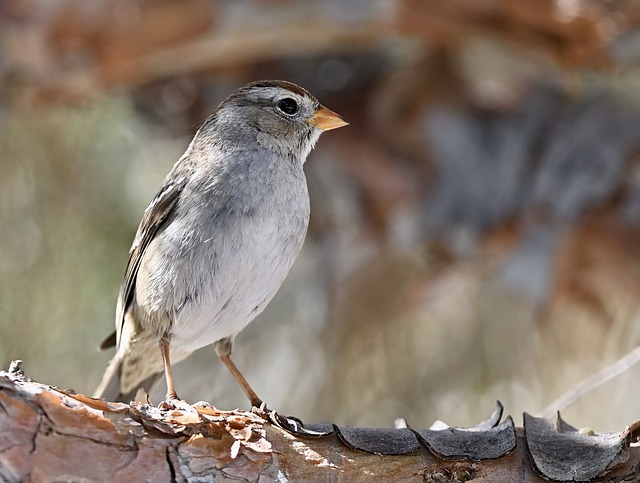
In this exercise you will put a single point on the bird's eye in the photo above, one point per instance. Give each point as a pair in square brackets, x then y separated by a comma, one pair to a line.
[288, 106]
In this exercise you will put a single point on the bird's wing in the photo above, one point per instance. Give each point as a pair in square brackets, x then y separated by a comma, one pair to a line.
[154, 216]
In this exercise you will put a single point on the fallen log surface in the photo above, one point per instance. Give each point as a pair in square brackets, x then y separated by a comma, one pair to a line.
[49, 434]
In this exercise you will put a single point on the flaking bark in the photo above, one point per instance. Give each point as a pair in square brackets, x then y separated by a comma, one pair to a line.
[47, 434]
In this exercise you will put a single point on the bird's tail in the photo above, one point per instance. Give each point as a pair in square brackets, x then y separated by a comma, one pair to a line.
[110, 387]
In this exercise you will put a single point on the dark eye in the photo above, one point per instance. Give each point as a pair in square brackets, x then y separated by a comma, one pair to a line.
[288, 106]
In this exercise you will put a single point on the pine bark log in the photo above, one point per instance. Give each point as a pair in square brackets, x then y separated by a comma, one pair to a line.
[47, 434]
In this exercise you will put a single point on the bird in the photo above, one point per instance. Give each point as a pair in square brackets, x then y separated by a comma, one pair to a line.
[218, 239]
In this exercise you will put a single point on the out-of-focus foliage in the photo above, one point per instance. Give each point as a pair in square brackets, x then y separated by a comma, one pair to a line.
[473, 233]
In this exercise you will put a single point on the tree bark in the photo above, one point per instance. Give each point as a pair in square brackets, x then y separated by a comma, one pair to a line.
[47, 434]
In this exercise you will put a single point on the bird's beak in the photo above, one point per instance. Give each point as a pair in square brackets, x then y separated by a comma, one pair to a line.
[326, 119]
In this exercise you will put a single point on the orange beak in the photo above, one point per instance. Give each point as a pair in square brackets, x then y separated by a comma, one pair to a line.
[326, 119]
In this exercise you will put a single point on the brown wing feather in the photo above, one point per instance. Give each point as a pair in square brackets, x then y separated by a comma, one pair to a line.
[155, 214]
[108, 342]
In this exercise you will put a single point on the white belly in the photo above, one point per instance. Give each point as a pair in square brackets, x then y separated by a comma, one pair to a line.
[243, 278]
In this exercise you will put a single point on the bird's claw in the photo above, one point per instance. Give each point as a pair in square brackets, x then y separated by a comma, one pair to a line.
[295, 426]
[203, 405]
[172, 403]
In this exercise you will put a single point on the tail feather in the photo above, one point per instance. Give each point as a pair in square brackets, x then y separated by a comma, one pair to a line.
[109, 387]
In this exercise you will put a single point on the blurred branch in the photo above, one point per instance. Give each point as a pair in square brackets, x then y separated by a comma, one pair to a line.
[69, 48]
[592, 383]
[240, 48]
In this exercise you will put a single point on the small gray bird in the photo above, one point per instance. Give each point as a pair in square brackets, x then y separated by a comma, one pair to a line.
[218, 239]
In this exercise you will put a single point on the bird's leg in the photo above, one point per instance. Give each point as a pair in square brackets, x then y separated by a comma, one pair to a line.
[223, 349]
[171, 400]
[164, 348]
[293, 425]
[253, 397]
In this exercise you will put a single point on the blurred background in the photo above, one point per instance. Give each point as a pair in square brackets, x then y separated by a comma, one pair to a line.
[474, 231]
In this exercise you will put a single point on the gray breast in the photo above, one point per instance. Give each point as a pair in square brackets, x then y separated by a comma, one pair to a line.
[226, 250]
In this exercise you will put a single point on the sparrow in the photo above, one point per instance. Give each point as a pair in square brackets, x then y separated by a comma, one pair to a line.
[218, 239]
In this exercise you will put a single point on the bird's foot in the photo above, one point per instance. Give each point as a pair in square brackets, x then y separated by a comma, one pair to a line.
[204, 405]
[295, 426]
[260, 408]
[173, 402]
[290, 424]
